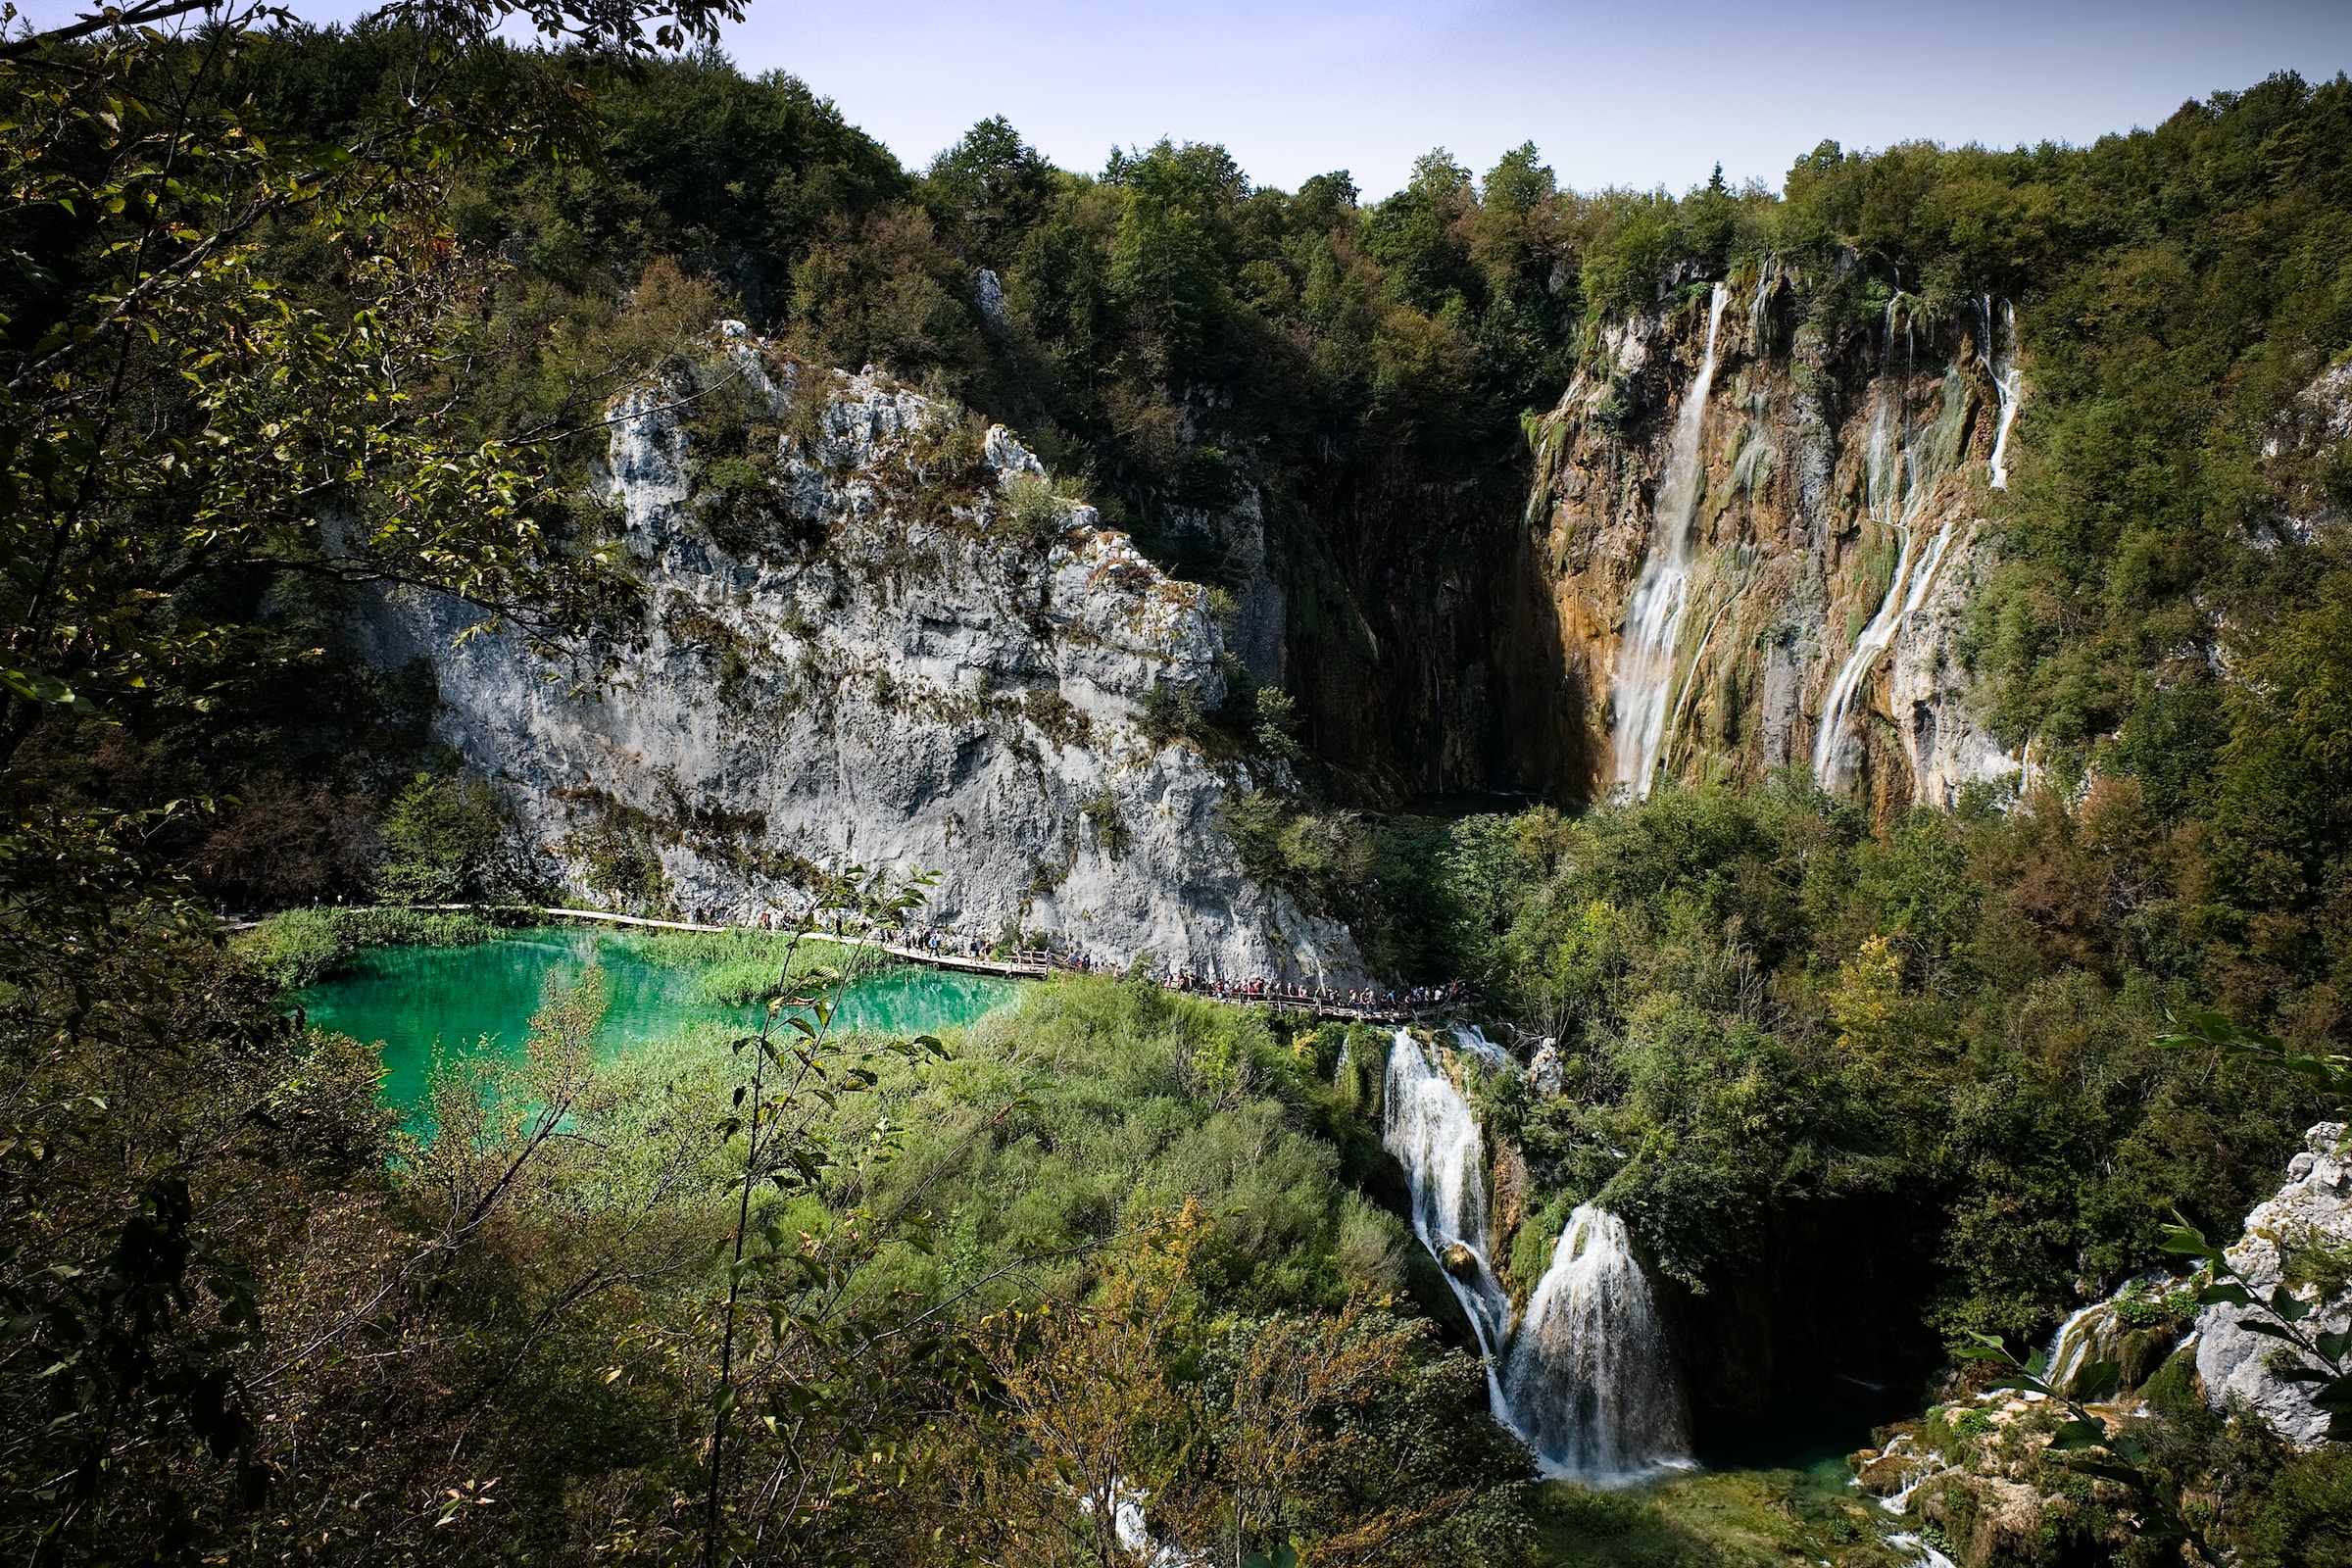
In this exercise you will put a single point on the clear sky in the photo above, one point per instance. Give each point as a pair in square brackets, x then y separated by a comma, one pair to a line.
[1612, 92]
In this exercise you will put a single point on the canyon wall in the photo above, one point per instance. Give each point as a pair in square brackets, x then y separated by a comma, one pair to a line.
[875, 635]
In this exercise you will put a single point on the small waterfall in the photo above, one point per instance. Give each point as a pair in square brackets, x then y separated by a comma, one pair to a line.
[1432, 1131]
[2007, 383]
[1590, 1376]
[2089, 1335]
[1901, 469]
[1586, 1382]
[1904, 594]
[1471, 1041]
[1654, 619]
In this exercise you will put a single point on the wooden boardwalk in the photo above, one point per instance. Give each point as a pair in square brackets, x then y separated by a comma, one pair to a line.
[1017, 966]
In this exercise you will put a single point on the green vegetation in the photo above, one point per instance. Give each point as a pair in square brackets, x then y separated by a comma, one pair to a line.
[802, 1296]
[738, 967]
[293, 949]
[1736, 1520]
[442, 839]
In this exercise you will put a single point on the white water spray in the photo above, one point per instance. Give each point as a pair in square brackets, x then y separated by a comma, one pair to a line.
[1643, 678]
[1586, 1382]
[1590, 1377]
[2087, 1336]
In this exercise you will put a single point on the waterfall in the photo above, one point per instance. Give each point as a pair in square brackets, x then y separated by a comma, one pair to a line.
[1590, 1376]
[1901, 469]
[1432, 1131]
[1586, 1383]
[1471, 1041]
[1904, 594]
[2089, 1335]
[1654, 619]
[2007, 382]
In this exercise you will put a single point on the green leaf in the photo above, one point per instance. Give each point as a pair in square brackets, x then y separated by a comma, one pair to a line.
[2224, 1294]
[2286, 1305]
[2097, 1381]
[2255, 1325]
[2335, 1395]
[2107, 1470]
[2079, 1435]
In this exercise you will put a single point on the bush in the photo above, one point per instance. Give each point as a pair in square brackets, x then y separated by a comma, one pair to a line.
[1029, 513]
[302, 947]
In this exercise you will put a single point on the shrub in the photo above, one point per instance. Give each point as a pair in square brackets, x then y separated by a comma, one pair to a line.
[1029, 513]
[302, 947]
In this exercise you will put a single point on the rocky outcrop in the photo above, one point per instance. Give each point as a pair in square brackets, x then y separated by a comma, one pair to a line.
[1838, 532]
[2309, 1218]
[875, 635]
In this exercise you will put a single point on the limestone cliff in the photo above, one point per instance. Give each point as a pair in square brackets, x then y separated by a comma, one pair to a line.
[1834, 487]
[2310, 1216]
[874, 634]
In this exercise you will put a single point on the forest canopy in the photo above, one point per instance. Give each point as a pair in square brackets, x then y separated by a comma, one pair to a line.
[296, 315]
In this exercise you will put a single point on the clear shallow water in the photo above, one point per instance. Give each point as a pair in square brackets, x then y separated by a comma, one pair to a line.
[416, 999]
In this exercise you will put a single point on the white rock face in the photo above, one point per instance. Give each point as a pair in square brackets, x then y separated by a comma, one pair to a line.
[925, 663]
[1928, 691]
[2314, 1208]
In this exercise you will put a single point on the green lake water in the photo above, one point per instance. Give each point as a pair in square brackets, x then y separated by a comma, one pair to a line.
[414, 1001]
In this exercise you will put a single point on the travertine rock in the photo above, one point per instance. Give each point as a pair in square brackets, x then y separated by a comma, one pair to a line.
[2313, 1209]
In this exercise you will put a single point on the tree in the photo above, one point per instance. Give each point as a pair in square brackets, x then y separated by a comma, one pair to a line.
[441, 841]
[229, 352]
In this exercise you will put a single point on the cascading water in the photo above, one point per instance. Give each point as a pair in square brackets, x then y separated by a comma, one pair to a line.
[2007, 383]
[2089, 1335]
[1590, 1378]
[1429, 1128]
[1902, 470]
[1586, 1383]
[1643, 678]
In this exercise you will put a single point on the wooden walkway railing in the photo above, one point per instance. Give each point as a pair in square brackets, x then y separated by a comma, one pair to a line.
[1018, 965]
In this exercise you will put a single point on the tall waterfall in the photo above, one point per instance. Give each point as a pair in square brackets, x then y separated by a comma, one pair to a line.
[1901, 469]
[1432, 1131]
[1586, 1382]
[2007, 383]
[1590, 1377]
[1644, 679]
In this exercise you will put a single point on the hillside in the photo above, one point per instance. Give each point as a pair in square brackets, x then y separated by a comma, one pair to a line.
[1853, 679]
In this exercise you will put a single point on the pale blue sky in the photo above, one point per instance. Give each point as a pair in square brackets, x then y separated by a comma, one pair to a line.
[1612, 93]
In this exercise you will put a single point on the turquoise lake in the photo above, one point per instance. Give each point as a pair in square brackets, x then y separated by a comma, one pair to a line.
[414, 1001]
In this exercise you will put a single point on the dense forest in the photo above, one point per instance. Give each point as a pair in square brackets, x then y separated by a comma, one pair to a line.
[293, 313]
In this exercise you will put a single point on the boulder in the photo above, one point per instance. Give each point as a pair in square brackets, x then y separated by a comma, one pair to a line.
[2314, 1210]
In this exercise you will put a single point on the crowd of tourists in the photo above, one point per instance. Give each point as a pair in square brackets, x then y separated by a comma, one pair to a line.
[948, 943]
[1321, 999]
[1366, 999]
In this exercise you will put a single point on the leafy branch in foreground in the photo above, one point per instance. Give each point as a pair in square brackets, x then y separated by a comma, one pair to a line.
[2330, 1070]
[784, 1122]
[2091, 1448]
[2284, 1317]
